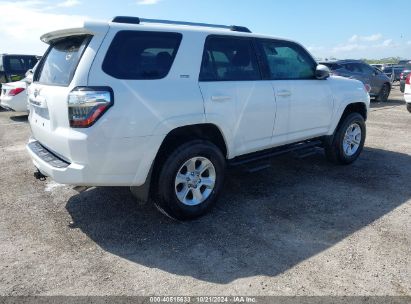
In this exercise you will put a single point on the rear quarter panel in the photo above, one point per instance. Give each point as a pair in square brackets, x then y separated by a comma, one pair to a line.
[153, 107]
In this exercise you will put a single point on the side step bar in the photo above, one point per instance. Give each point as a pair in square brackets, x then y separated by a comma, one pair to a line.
[302, 147]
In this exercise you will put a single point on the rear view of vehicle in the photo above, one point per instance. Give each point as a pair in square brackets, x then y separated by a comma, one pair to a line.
[61, 103]
[13, 96]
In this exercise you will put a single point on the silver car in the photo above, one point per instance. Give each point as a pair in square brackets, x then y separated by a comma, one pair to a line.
[379, 82]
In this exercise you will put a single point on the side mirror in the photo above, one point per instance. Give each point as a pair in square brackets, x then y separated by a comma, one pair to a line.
[322, 72]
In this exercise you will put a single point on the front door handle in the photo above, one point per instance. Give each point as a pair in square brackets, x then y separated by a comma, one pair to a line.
[284, 93]
[221, 98]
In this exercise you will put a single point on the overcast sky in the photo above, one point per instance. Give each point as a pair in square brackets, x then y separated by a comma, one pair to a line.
[342, 29]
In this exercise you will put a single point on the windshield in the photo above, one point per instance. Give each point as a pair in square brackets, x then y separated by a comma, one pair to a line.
[61, 60]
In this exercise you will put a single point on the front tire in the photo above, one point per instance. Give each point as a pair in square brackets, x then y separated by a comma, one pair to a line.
[190, 180]
[348, 141]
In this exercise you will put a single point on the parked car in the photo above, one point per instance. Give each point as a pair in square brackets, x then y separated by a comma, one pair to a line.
[380, 84]
[13, 67]
[393, 72]
[407, 92]
[13, 96]
[404, 62]
[403, 76]
[165, 106]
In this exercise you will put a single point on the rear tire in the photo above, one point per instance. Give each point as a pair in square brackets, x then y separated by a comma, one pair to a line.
[190, 180]
[409, 107]
[348, 141]
[384, 93]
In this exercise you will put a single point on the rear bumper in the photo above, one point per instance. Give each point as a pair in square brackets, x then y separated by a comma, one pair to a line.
[99, 172]
[14, 103]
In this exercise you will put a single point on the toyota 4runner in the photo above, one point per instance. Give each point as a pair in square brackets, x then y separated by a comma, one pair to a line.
[164, 106]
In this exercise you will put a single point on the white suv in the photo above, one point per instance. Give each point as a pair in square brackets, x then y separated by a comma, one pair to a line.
[163, 106]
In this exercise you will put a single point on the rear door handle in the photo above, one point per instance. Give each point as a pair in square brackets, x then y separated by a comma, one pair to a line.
[284, 93]
[221, 98]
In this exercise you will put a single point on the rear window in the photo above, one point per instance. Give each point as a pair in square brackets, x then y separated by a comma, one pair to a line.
[141, 55]
[60, 62]
[18, 64]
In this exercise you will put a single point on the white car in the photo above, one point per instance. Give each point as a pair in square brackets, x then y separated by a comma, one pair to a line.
[165, 106]
[13, 96]
[407, 92]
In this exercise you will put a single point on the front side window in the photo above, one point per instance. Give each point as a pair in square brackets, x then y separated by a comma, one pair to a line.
[141, 55]
[61, 60]
[229, 59]
[286, 60]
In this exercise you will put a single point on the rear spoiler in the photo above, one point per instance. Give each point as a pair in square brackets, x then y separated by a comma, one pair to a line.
[89, 28]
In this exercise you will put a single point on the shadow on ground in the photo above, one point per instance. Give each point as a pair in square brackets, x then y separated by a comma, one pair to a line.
[264, 223]
[20, 118]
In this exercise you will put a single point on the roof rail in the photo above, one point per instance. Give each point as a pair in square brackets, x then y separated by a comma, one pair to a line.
[137, 20]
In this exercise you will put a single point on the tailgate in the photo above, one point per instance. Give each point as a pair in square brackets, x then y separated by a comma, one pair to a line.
[49, 117]
[52, 82]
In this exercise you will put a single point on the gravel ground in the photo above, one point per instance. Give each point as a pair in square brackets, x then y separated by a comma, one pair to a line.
[303, 227]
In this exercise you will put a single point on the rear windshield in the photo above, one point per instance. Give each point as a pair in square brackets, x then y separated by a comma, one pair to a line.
[18, 64]
[60, 62]
[141, 55]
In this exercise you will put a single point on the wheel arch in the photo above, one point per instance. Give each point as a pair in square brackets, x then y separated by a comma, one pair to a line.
[353, 107]
[174, 138]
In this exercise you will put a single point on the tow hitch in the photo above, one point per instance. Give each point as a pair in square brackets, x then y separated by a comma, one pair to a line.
[40, 176]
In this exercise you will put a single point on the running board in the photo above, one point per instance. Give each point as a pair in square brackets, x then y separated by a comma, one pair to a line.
[302, 147]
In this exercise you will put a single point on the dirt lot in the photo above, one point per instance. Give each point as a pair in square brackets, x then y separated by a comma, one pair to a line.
[303, 227]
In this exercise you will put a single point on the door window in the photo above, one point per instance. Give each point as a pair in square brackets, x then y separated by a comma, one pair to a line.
[286, 60]
[229, 59]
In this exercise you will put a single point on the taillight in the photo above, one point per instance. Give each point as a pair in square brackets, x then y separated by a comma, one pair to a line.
[407, 81]
[367, 88]
[14, 92]
[87, 104]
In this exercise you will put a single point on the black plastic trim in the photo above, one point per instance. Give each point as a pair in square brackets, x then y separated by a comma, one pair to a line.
[47, 156]
[126, 19]
[269, 153]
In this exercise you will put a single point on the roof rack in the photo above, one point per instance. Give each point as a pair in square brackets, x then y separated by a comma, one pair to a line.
[137, 20]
